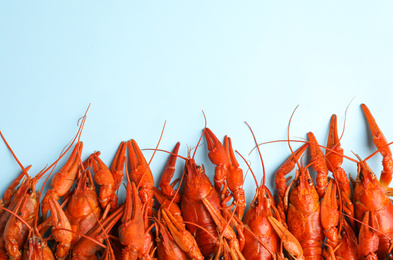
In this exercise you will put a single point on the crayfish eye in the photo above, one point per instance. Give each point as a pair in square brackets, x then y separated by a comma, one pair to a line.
[361, 176]
[256, 203]
[389, 256]
[29, 191]
[309, 181]
[297, 183]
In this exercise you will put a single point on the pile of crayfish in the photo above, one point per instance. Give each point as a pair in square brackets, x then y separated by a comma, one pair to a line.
[80, 216]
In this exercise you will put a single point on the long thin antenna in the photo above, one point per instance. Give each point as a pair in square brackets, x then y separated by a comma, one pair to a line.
[289, 143]
[260, 156]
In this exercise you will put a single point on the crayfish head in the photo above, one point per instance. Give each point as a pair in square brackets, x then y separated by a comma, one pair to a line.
[261, 202]
[197, 184]
[303, 194]
[368, 191]
[303, 182]
[366, 176]
[37, 248]
[33, 247]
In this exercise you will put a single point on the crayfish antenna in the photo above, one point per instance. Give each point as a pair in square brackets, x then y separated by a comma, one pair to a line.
[260, 156]
[12, 189]
[63, 180]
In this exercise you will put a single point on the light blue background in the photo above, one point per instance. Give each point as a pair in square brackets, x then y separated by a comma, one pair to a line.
[140, 63]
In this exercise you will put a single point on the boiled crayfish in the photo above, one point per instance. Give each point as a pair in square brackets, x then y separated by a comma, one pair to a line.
[82, 216]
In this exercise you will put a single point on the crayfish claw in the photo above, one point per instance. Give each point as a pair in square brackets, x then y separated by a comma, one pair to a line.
[169, 171]
[183, 237]
[382, 145]
[137, 160]
[61, 227]
[291, 244]
[132, 229]
[368, 238]
[318, 164]
[330, 214]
